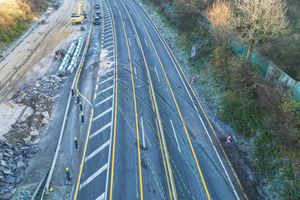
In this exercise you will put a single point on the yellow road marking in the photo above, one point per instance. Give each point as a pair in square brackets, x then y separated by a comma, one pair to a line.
[83, 155]
[92, 112]
[135, 109]
[180, 115]
[153, 98]
[115, 113]
[173, 57]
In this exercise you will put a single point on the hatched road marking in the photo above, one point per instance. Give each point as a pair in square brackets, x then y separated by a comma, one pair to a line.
[100, 130]
[93, 176]
[97, 151]
[102, 114]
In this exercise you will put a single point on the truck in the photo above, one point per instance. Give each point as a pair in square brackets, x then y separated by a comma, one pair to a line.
[79, 16]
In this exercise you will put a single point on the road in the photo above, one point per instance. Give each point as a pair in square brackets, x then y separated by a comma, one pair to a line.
[149, 137]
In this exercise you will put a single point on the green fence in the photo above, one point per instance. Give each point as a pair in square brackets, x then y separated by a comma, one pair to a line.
[268, 70]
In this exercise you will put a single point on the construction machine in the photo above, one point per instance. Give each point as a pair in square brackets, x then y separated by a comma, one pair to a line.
[79, 16]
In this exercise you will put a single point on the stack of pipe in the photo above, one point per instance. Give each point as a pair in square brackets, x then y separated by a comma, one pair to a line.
[74, 60]
[64, 64]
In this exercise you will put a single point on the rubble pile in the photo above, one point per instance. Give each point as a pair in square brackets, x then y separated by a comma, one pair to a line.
[13, 161]
[22, 139]
[40, 94]
[39, 98]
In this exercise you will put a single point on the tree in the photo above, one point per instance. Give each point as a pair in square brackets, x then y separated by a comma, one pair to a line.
[220, 14]
[259, 21]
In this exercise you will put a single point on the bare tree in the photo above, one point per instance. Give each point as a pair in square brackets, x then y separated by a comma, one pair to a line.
[259, 21]
[220, 15]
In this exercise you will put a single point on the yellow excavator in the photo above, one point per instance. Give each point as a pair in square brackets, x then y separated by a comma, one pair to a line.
[79, 16]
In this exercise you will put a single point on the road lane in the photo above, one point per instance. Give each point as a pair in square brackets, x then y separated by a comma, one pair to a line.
[213, 165]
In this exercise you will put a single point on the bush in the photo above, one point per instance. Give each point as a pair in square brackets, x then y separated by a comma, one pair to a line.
[241, 113]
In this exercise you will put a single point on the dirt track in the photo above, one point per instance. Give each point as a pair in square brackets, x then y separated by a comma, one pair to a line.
[25, 60]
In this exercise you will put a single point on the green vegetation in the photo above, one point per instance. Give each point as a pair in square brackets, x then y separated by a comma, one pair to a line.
[254, 108]
[15, 16]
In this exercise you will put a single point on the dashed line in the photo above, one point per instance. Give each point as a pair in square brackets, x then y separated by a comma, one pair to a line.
[175, 136]
[157, 74]
[93, 176]
[146, 42]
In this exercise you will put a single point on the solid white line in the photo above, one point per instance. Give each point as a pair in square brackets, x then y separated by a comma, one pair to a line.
[143, 133]
[175, 136]
[156, 74]
[110, 87]
[101, 197]
[146, 42]
[100, 130]
[103, 146]
[129, 41]
[102, 114]
[93, 176]
[103, 101]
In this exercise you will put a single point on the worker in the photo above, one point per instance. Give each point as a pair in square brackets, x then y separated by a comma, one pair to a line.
[76, 143]
[68, 175]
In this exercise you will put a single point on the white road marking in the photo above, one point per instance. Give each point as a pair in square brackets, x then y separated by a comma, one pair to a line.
[110, 87]
[103, 101]
[176, 67]
[93, 176]
[103, 146]
[108, 34]
[101, 197]
[129, 41]
[109, 42]
[108, 38]
[102, 114]
[100, 130]
[135, 74]
[104, 81]
[175, 136]
[157, 74]
[146, 42]
[143, 133]
[110, 47]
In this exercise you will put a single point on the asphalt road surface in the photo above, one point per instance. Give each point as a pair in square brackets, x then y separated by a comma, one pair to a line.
[149, 137]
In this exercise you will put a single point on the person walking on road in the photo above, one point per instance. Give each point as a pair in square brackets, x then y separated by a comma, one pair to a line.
[76, 143]
[68, 176]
